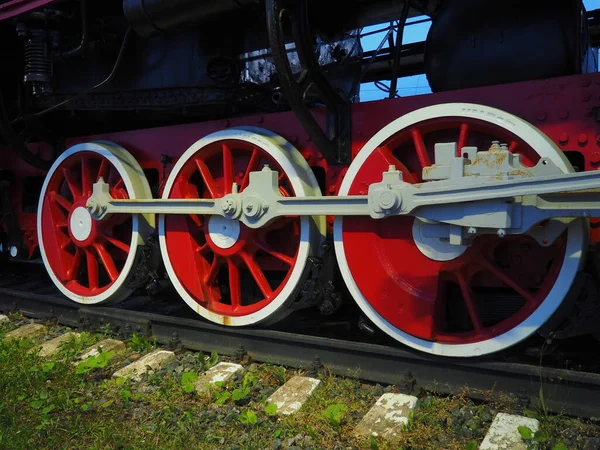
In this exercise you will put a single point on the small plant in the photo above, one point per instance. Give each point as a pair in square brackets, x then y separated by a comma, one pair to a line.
[374, 445]
[249, 381]
[188, 382]
[222, 397]
[100, 361]
[105, 329]
[280, 374]
[335, 413]
[240, 394]
[471, 445]
[140, 343]
[271, 409]
[534, 439]
[248, 417]
[208, 361]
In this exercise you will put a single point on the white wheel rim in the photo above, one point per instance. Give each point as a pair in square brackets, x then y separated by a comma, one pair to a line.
[576, 240]
[136, 185]
[312, 231]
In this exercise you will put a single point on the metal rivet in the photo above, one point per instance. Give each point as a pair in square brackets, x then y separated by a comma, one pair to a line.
[541, 116]
[564, 138]
[582, 139]
[564, 114]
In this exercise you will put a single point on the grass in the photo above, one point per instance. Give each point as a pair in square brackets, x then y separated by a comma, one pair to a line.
[48, 403]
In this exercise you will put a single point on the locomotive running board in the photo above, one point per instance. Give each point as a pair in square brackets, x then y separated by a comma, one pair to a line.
[479, 192]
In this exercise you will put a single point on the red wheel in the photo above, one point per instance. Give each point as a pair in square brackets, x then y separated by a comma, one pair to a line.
[89, 260]
[227, 272]
[440, 298]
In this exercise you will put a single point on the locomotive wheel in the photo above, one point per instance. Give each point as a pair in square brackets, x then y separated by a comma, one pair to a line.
[88, 260]
[436, 297]
[226, 272]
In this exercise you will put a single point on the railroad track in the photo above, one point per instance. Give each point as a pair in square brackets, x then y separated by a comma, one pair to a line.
[571, 392]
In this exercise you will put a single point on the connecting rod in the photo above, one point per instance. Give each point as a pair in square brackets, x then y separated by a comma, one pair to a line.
[512, 199]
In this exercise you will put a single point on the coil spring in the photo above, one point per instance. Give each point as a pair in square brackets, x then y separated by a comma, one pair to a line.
[38, 66]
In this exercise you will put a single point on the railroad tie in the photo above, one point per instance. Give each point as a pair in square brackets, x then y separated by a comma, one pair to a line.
[290, 397]
[106, 345]
[26, 331]
[504, 432]
[221, 372]
[151, 361]
[388, 416]
[54, 345]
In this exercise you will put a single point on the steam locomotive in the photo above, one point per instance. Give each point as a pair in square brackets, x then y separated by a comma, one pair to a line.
[221, 146]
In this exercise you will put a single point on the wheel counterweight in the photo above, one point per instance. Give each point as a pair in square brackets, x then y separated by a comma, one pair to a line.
[228, 273]
[433, 297]
[90, 261]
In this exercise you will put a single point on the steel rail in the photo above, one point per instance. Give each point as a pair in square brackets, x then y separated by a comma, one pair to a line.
[564, 391]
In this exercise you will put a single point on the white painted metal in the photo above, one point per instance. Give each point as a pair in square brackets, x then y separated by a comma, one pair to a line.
[223, 232]
[436, 248]
[576, 241]
[80, 224]
[474, 196]
[136, 185]
[312, 232]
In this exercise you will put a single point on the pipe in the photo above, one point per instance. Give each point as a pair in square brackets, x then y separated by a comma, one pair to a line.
[151, 17]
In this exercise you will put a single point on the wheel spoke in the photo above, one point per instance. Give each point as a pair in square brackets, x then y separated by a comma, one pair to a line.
[73, 269]
[257, 274]
[209, 181]
[92, 269]
[197, 220]
[420, 148]
[227, 169]
[86, 177]
[462, 138]
[60, 200]
[61, 223]
[72, 185]
[203, 249]
[467, 293]
[252, 166]
[211, 276]
[119, 244]
[235, 286]
[118, 190]
[103, 170]
[507, 280]
[271, 251]
[107, 262]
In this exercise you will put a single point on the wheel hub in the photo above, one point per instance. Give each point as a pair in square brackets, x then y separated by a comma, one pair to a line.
[223, 232]
[80, 224]
[430, 240]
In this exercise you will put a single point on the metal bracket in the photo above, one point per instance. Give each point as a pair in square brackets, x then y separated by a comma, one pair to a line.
[334, 144]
